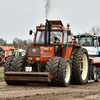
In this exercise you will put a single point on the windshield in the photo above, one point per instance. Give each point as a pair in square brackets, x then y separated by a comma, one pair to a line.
[1, 52]
[55, 37]
[84, 41]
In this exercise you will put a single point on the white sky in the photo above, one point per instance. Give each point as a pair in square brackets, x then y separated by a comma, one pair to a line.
[17, 17]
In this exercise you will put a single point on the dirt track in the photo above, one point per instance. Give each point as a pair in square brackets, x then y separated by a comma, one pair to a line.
[1, 69]
[36, 91]
[44, 92]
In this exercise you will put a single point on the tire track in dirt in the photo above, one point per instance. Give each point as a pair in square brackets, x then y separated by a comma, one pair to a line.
[38, 91]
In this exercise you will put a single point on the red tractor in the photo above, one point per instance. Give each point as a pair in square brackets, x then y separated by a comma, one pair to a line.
[4, 54]
[53, 58]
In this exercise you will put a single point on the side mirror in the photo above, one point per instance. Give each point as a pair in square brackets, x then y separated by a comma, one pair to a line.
[68, 32]
[30, 33]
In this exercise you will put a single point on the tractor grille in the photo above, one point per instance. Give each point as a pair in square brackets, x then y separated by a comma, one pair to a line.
[34, 51]
[47, 54]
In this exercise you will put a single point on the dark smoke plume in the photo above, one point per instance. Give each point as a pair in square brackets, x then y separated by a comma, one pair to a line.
[47, 8]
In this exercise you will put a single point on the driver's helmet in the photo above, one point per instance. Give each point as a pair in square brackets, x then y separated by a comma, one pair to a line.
[57, 39]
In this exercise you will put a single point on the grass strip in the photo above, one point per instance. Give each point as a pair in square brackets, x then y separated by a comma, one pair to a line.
[1, 75]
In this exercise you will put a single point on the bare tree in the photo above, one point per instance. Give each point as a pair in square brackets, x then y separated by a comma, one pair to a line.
[2, 42]
[95, 29]
[29, 41]
[17, 43]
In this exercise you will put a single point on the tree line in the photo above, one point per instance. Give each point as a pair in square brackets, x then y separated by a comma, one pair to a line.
[17, 43]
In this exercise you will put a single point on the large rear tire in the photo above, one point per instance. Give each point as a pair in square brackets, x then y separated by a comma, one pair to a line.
[71, 61]
[80, 66]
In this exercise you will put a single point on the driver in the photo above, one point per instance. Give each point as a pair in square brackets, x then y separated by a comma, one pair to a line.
[86, 43]
[54, 39]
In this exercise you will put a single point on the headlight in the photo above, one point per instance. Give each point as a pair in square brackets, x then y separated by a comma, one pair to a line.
[37, 58]
[30, 58]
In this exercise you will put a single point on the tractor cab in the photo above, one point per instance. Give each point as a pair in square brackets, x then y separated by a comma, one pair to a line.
[88, 41]
[50, 40]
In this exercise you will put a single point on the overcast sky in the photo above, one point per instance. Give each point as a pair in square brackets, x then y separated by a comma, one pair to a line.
[17, 17]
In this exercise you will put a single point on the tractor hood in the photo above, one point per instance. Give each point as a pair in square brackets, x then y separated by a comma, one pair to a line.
[40, 53]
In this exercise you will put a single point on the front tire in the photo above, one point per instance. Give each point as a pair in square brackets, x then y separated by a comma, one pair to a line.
[17, 64]
[52, 66]
[64, 72]
[60, 69]
[8, 64]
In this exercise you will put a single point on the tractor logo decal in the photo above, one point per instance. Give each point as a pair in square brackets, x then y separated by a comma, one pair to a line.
[34, 50]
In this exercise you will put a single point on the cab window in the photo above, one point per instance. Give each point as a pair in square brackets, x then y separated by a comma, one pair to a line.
[65, 37]
[69, 41]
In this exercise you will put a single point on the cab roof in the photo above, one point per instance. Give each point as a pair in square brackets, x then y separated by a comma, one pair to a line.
[85, 34]
[55, 22]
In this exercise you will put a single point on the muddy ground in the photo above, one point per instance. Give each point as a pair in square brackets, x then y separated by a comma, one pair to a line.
[36, 91]
[1, 69]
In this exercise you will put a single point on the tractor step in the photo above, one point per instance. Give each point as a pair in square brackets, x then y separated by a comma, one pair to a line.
[28, 76]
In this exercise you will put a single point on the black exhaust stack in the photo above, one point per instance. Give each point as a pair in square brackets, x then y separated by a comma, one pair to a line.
[46, 29]
[49, 28]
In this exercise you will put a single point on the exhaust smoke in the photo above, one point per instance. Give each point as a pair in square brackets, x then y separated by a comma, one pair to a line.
[47, 8]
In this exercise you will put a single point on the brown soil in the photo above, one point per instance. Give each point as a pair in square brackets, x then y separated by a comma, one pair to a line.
[1, 69]
[36, 91]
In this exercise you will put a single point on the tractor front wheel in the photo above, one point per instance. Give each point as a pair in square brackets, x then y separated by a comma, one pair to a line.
[8, 63]
[64, 72]
[17, 64]
[52, 66]
[60, 69]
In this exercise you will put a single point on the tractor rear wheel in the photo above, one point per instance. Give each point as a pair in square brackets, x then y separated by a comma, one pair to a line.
[71, 61]
[17, 64]
[80, 66]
